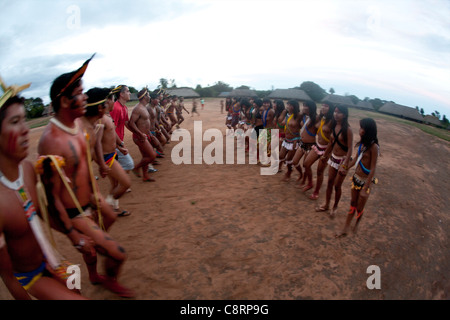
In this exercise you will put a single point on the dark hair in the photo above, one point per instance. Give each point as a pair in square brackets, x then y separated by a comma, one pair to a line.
[345, 124]
[279, 107]
[295, 104]
[7, 104]
[58, 84]
[95, 95]
[245, 103]
[370, 132]
[265, 100]
[312, 107]
[331, 107]
[122, 89]
[258, 102]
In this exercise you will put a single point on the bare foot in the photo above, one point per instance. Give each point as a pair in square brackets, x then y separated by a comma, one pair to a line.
[121, 291]
[341, 235]
[333, 213]
[322, 208]
[314, 196]
[306, 188]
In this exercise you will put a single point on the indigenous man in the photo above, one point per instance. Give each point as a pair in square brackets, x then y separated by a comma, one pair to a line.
[140, 126]
[172, 105]
[23, 267]
[179, 111]
[72, 193]
[100, 103]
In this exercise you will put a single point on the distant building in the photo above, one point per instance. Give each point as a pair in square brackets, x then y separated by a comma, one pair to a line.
[289, 94]
[183, 92]
[339, 100]
[432, 120]
[365, 105]
[401, 111]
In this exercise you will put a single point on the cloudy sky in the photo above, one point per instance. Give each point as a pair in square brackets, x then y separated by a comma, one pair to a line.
[393, 50]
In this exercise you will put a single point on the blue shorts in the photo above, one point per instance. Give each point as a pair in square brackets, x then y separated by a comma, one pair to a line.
[126, 161]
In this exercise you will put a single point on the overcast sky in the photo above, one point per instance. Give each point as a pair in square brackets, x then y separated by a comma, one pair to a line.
[393, 50]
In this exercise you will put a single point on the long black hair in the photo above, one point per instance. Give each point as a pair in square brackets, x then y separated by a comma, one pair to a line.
[312, 107]
[370, 132]
[279, 107]
[345, 124]
[295, 105]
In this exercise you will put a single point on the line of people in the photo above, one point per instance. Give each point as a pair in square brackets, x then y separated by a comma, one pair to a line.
[324, 136]
[61, 187]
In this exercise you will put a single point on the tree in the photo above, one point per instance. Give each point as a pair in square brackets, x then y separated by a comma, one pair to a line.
[422, 112]
[163, 83]
[437, 114]
[354, 99]
[313, 90]
[445, 121]
[377, 103]
[331, 91]
[34, 108]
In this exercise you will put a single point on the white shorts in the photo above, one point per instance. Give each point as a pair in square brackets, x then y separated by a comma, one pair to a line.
[126, 161]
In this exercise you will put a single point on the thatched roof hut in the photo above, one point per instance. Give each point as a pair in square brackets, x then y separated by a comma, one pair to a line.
[224, 94]
[183, 92]
[401, 111]
[133, 97]
[339, 100]
[243, 93]
[429, 119]
[365, 105]
[289, 94]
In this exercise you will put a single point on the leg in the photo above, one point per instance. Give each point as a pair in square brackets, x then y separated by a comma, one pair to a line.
[47, 288]
[296, 161]
[350, 214]
[337, 193]
[114, 253]
[362, 200]
[307, 164]
[319, 179]
[332, 172]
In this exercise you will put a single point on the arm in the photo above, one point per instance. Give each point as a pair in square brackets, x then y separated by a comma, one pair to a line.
[65, 222]
[344, 167]
[373, 164]
[98, 149]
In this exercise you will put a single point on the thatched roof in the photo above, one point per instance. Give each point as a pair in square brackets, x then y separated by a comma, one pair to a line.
[429, 119]
[365, 105]
[133, 96]
[224, 94]
[183, 92]
[243, 93]
[401, 111]
[288, 94]
[339, 100]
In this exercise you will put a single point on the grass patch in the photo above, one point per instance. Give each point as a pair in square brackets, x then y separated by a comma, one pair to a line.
[437, 132]
[38, 122]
